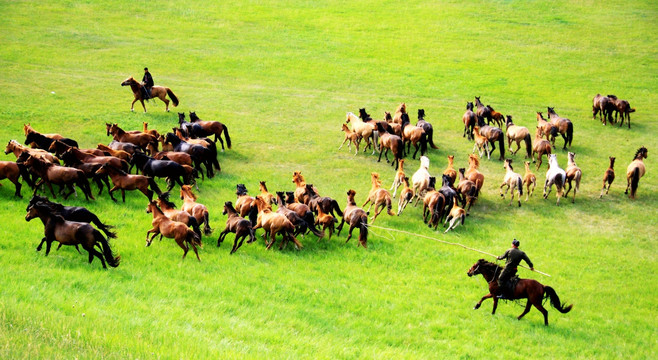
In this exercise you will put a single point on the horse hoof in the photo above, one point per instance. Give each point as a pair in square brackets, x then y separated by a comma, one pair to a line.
[132, 110]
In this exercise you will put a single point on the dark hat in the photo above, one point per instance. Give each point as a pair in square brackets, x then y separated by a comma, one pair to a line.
[515, 242]
[147, 69]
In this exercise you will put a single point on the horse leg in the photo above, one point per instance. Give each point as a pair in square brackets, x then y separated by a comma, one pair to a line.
[132, 106]
[502, 195]
[340, 227]
[485, 297]
[528, 305]
[349, 234]
[166, 103]
[43, 240]
[545, 187]
[111, 191]
[123, 195]
[536, 301]
[144, 106]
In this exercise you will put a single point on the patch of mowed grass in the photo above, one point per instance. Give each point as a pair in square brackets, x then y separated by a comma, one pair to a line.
[282, 76]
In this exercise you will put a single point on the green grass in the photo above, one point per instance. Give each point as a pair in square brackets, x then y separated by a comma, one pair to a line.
[281, 76]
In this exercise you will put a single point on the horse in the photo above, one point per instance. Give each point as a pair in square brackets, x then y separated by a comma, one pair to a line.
[413, 135]
[168, 169]
[355, 217]
[573, 174]
[10, 170]
[59, 175]
[389, 125]
[518, 133]
[93, 159]
[390, 142]
[44, 143]
[327, 221]
[15, 147]
[73, 213]
[481, 143]
[540, 147]
[238, 225]
[497, 117]
[199, 211]
[467, 189]
[130, 148]
[427, 127]
[212, 128]
[623, 108]
[421, 179]
[146, 130]
[434, 204]
[456, 215]
[58, 148]
[378, 197]
[315, 201]
[405, 196]
[564, 126]
[169, 209]
[492, 134]
[401, 109]
[159, 92]
[300, 183]
[554, 175]
[89, 169]
[608, 177]
[603, 106]
[274, 223]
[547, 129]
[141, 140]
[512, 180]
[27, 128]
[56, 228]
[449, 193]
[635, 171]
[529, 289]
[351, 137]
[399, 177]
[200, 155]
[301, 209]
[123, 181]
[168, 228]
[469, 119]
[266, 195]
[450, 170]
[301, 224]
[366, 118]
[472, 173]
[363, 129]
[482, 111]
[529, 179]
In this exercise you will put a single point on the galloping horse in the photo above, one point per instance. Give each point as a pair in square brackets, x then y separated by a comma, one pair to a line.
[56, 228]
[168, 169]
[469, 119]
[406, 195]
[44, 143]
[212, 128]
[413, 135]
[59, 175]
[483, 111]
[15, 147]
[378, 197]
[301, 209]
[10, 170]
[159, 92]
[140, 139]
[513, 181]
[356, 217]
[564, 127]
[429, 129]
[315, 201]
[467, 189]
[481, 143]
[421, 179]
[456, 215]
[497, 117]
[391, 142]
[450, 170]
[351, 137]
[199, 211]
[493, 134]
[573, 174]
[274, 223]
[554, 175]
[399, 177]
[124, 181]
[238, 225]
[472, 173]
[401, 109]
[525, 288]
[623, 108]
[171, 229]
[635, 171]
[363, 129]
[529, 179]
[547, 129]
[302, 225]
[518, 133]
[434, 204]
[169, 209]
[540, 147]
[608, 177]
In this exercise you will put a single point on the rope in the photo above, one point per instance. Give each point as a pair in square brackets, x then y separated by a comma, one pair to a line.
[450, 243]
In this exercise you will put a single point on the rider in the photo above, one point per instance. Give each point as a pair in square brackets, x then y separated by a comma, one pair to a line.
[514, 257]
[147, 81]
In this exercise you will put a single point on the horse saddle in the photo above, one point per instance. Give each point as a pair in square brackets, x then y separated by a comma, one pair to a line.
[146, 95]
[507, 290]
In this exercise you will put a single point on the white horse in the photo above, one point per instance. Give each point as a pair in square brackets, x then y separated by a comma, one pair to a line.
[512, 180]
[421, 178]
[554, 175]
[365, 130]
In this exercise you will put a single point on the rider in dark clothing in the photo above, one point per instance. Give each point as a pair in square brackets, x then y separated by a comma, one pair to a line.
[514, 257]
[147, 81]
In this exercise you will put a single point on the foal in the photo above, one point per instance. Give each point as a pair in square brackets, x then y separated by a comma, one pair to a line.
[238, 225]
[608, 177]
[405, 196]
[456, 214]
[513, 181]
[450, 170]
[356, 217]
[528, 179]
[399, 176]
[378, 197]
[573, 173]
[481, 143]
[351, 137]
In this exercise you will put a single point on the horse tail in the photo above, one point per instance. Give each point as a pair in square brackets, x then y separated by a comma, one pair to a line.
[570, 132]
[430, 138]
[173, 97]
[555, 300]
[193, 238]
[363, 230]
[554, 131]
[559, 183]
[519, 183]
[228, 138]
[191, 221]
[400, 152]
[334, 206]
[103, 227]
[253, 216]
[154, 186]
[528, 145]
[206, 227]
[112, 260]
[83, 182]
[635, 180]
[389, 206]
[501, 143]
[423, 143]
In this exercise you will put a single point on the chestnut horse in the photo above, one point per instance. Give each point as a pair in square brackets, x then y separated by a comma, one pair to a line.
[159, 92]
[517, 134]
[199, 211]
[603, 106]
[9, 170]
[401, 109]
[399, 176]
[356, 217]
[547, 129]
[456, 215]
[540, 147]
[413, 135]
[391, 142]
[623, 108]
[483, 111]
[524, 289]
[450, 169]
[405, 196]
[212, 128]
[573, 174]
[274, 223]
[124, 181]
[351, 137]
[238, 225]
[481, 143]
[635, 171]
[497, 117]
[564, 127]
[608, 177]
[378, 197]
[472, 173]
[140, 139]
[467, 189]
[170, 211]
[529, 179]
[469, 119]
[171, 229]
[493, 134]
[59, 175]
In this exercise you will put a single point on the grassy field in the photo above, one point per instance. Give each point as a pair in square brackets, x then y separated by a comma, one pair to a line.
[282, 76]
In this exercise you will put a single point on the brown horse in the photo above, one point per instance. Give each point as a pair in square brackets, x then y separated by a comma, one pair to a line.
[351, 137]
[355, 217]
[635, 171]
[547, 129]
[300, 183]
[434, 204]
[363, 129]
[623, 108]
[472, 173]
[413, 135]
[315, 201]
[603, 106]
[450, 170]
[467, 189]
[482, 111]
[59, 175]
[517, 134]
[302, 225]
[93, 159]
[327, 221]
[481, 143]
[72, 233]
[389, 125]
[124, 181]
[238, 225]
[266, 195]
[401, 109]
[58, 148]
[391, 142]
[470, 120]
[405, 196]
[27, 129]
[15, 147]
[564, 126]
[244, 205]
[378, 197]
[159, 92]
[608, 177]
[493, 134]
[573, 174]
[540, 147]
[524, 289]
[212, 128]
[168, 228]
[301, 209]
[529, 179]
[457, 214]
[9, 170]
[497, 117]
[169, 209]
[274, 223]
[199, 211]
[399, 177]
[146, 130]
[141, 139]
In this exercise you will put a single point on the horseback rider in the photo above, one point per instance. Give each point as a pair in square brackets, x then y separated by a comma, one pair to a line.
[514, 257]
[147, 82]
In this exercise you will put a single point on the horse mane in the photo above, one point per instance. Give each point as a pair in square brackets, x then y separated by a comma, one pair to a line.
[193, 116]
[121, 172]
[638, 152]
[488, 266]
[405, 118]
[475, 159]
[188, 190]
[164, 197]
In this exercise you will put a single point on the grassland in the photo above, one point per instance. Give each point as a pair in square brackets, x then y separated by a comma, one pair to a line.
[281, 76]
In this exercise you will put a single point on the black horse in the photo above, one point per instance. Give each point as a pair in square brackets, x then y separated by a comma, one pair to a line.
[89, 169]
[193, 130]
[168, 169]
[45, 142]
[429, 130]
[200, 154]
